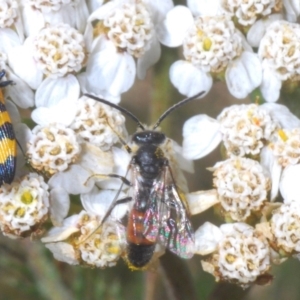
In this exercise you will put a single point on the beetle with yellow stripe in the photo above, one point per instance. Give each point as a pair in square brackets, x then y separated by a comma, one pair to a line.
[8, 143]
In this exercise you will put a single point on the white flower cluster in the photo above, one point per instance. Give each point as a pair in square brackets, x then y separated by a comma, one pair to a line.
[57, 52]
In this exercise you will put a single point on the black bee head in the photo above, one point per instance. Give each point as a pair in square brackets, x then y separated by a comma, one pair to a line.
[148, 137]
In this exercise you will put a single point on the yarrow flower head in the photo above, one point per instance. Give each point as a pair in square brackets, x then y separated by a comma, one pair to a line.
[245, 129]
[82, 239]
[247, 12]
[212, 46]
[98, 124]
[242, 187]
[279, 52]
[130, 28]
[24, 206]
[8, 13]
[117, 33]
[59, 50]
[285, 146]
[52, 148]
[240, 254]
[285, 227]
[211, 43]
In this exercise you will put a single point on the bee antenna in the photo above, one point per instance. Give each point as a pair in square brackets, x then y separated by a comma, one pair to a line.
[123, 110]
[175, 106]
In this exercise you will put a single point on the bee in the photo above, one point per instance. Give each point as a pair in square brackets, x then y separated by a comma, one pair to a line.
[8, 143]
[159, 213]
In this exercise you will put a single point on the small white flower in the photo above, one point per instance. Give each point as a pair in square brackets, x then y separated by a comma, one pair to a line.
[24, 205]
[80, 240]
[244, 130]
[38, 13]
[279, 52]
[57, 52]
[241, 253]
[247, 12]
[10, 19]
[242, 186]
[53, 148]
[286, 146]
[211, 46]
[285, 226]
[118, 32]
[98, 123]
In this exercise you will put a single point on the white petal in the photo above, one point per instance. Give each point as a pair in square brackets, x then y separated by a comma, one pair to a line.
[292, 9]
[183, 163]
[269, 162]
[258, 29]
[111, 71]
[207, 238]
[158, 9]
[98, 202]
[20, 92]
[63, 252]
[172, 31]
[270, 86]
[188, 79]
[81, 15]
[205, 7]
[148, 59]
[201, 201]
[23, 135]
[122, 160]
[73, 181]
[200, 136]
[103, 11]
[9, 39]
[63, 113]
[243, 75]
[21, 61]
[281, 114]
[289, 183]
[33, 20]
[13, 112]
[52, 91]
[87, 88]
[60, 205]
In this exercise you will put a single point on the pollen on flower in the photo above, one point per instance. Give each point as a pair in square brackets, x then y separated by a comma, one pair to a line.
[104, 247]
[218, 43]
[8, 13]
[24, 205]
[246, 12]
[278, 49]
[80, 240]
[245, 129]
[285, 226]
[242, 187]
[59, 50]
[243, 254]
[52, 148]
[98, 124]
[130, 28]
[286, 146]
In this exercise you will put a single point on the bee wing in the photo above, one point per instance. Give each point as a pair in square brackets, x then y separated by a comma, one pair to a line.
[166, 217]
[176, 231]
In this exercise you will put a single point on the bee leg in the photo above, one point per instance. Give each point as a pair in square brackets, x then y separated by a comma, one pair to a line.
[4, 83]
[124, 179]
[120, 201]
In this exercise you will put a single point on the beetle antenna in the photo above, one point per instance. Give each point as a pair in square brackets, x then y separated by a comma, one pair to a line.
[175, 106]
[120, 108]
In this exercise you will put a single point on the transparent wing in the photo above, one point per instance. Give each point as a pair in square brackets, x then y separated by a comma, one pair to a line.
[166, 217]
